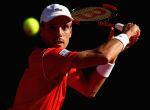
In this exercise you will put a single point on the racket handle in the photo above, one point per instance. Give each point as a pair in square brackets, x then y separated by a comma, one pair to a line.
[119, 26]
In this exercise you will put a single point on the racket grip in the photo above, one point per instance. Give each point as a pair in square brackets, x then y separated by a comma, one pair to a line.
[119, 26]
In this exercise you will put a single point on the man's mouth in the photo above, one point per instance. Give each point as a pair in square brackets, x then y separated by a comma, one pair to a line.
[58, 42]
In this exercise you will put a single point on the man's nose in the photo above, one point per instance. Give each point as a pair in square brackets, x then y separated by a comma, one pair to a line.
[59, 31]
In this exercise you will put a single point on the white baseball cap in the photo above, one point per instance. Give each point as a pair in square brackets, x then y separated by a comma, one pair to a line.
[53, 11]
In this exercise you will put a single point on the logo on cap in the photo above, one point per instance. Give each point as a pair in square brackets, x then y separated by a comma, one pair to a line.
[57, 9]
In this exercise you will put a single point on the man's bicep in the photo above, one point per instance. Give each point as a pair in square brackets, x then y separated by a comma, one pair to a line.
[76, 80]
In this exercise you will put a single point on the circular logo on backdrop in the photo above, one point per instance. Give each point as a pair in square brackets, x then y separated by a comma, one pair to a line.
[91, 14]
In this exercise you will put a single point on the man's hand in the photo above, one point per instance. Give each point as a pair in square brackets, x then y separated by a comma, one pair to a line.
[133, 32]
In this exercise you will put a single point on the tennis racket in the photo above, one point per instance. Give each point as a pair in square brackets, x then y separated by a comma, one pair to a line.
[92, 25]
[101, 14]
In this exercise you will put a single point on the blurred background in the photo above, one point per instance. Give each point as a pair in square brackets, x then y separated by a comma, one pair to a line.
[128, 85]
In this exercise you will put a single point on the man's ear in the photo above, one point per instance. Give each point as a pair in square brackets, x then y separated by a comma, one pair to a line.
[41, 30]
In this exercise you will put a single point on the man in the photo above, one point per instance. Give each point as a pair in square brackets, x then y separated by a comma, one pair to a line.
[52, 68]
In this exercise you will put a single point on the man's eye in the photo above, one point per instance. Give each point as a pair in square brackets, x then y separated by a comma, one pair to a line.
[65, 27]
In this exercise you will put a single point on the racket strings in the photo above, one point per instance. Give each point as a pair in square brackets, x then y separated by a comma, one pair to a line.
[92, 14]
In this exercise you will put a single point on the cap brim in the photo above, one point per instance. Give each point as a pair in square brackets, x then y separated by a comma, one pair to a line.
[52, 17]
